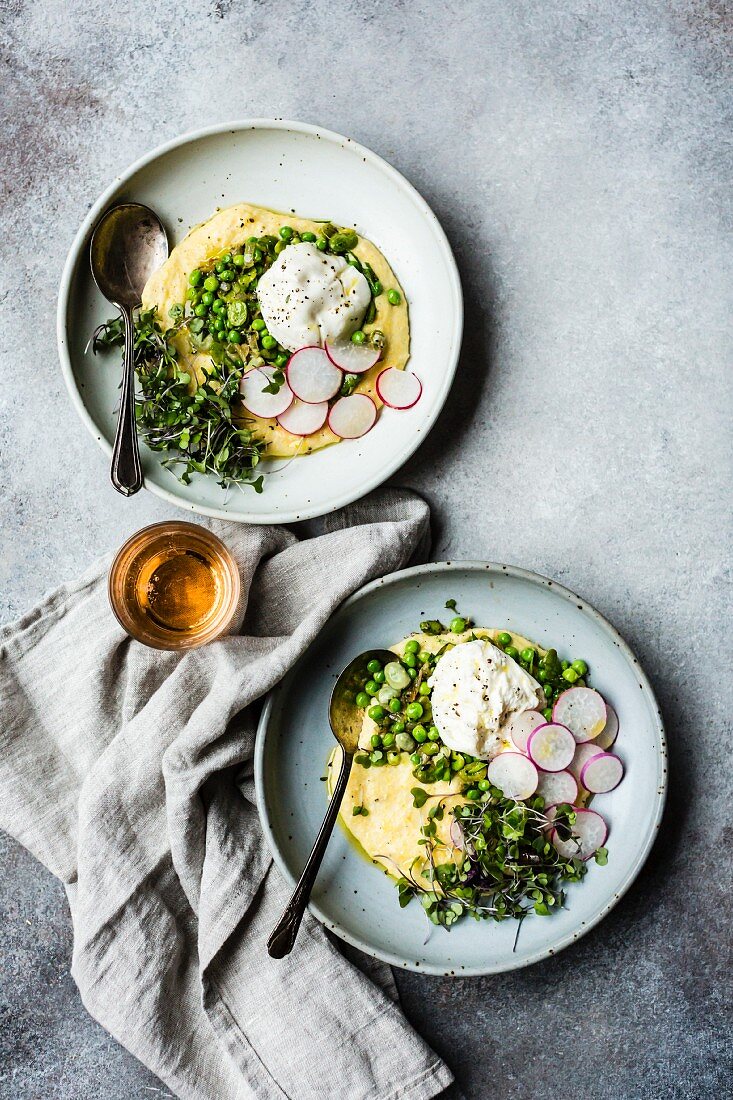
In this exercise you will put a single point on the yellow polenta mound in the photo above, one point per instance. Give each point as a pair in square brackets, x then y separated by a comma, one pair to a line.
[390, 831]
[228, 229]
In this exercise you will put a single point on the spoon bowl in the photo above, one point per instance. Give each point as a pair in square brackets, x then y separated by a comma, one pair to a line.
[129, 243]
[346, 720]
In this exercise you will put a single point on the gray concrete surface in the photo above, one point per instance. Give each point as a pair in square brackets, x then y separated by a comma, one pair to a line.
[577, 156]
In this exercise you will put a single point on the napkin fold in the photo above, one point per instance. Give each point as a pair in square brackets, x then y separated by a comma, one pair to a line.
[128, 773]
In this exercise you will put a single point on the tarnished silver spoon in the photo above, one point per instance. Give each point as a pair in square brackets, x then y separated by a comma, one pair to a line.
[346, 720]
[128, 245]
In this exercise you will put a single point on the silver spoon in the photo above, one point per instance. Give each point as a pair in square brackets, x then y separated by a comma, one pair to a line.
[128, 245]
[346, 721]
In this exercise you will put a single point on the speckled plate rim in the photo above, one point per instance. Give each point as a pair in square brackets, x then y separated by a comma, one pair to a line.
[644, 847]
[107, 197]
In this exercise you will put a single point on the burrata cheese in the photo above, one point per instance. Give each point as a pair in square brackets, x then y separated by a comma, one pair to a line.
[476, 689]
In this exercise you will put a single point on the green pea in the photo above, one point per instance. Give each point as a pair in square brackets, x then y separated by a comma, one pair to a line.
[395, 706]
[219, 267]
[458, 625]
[410, 660]
[253, 240]
[358, 337]
[200, 310]
[308, 236]
[420, 734]
[268, 341]
[376, 713]
[258, 324]
[238, 260]
[424, 688]
[512, 651]
[281, 360]
[321, 244]
[376, 741]
[286, 232]
[371, 687]
[542, 675]
[413, 646]
[528, 654]
[430, 748]
[414, 710]
[218, 305]
[363, 700]
[394, 297]
[208, 298]
[377, 288]
[226, 258]
[504, 638]
[211, 283]
[398, 727]
[580, 667]
[279, 247]
[412, 673]
[387, 739]
[564, 665]
[393, 758]
[434, 733]
[473, 794]
[195, 277]
[374, 666]
[234, 337]
[548, 689]
[415, 758]
[483, 785]
[570, 675]
[457, 762]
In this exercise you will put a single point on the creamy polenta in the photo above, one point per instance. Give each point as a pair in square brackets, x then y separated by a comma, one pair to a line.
[170, 292]
[390, 830]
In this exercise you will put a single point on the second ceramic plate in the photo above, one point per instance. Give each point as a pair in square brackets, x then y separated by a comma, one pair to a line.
[285, 166]
[355, 899]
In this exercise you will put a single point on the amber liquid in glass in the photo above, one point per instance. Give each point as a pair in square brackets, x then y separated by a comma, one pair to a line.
[174, 585]
[177, 589]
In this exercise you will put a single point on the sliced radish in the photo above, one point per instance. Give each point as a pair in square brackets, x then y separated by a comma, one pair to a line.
[588, 835]
[352, 358]
[400, 389]
[312, 376]
[353, 416]
[262, 404]
[514, 775]
[522, 725]
[303, 418]
[583, 711]
[557, 787]
[551, 747]
[583, 753]
[602, 773]
[456, 835]
[608, 735]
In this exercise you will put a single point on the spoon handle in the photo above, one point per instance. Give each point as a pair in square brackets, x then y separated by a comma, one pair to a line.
[126, 472]
[283, 935]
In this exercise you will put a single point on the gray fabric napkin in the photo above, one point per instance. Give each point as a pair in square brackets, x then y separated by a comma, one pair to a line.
[127, 772]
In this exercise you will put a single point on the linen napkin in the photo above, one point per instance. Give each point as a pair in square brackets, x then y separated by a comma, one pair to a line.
[128, 773]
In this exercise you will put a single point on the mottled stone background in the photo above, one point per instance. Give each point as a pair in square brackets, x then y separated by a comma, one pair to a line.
[577, 155]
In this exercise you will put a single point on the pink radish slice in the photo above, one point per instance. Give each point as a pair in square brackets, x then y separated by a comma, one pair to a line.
[583, 711]
[312, 376]
[557, 787]
[602, 773]
[262, 404]
[514, 775]
[551, 747]
[589, 832]
[456, 835]
[400, 389]
[353, 358]
[608, 735]
[353, 416]
[522, 725]
[303, 418]
[583, 754]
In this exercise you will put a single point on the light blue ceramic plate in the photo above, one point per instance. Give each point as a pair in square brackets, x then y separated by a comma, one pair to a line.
[356, 900]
